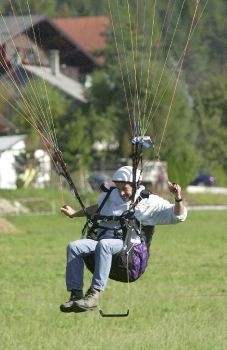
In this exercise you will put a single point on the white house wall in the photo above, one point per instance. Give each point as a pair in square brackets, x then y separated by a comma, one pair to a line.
[8, 176]
[43, 170]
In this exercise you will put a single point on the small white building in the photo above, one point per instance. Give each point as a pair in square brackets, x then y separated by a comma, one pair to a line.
[10, 146]
[38, 175]
[43, 168]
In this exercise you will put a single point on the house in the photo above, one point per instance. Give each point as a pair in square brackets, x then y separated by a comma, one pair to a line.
[63, 46]
[89, 32]
[14, 166]
[10, 147]
[59, 51]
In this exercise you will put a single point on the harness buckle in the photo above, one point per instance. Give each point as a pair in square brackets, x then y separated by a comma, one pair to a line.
[118, 233]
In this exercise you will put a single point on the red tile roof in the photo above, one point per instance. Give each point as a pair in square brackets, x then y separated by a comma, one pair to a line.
[87, 31]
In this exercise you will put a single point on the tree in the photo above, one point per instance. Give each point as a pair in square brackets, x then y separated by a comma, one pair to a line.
[211, 122]
[143, 89]
[24, 7]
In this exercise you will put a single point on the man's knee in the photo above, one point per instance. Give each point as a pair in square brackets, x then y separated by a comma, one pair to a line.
[103, 245]
[108, 247]
[82, 246]
[72, 247]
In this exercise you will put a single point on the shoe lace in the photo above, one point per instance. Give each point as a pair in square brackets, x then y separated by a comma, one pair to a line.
[89, 293]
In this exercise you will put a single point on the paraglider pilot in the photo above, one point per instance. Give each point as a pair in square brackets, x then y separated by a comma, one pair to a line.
[153, 210]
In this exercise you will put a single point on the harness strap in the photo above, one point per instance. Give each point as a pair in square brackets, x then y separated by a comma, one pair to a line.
[94, 218]
[126, 220]
[108, 218]
[145, 194]
[105, 199]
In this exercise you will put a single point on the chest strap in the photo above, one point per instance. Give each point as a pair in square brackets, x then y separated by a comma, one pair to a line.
[97, 218]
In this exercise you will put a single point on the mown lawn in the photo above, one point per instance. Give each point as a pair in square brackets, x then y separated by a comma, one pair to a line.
[179, 303]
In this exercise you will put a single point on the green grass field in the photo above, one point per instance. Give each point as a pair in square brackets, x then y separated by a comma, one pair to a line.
[179, 303]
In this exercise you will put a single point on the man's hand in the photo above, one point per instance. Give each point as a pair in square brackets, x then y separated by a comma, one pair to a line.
[175, 189]
[67, 210]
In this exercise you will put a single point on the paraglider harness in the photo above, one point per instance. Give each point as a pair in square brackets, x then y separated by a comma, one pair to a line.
[130, 263]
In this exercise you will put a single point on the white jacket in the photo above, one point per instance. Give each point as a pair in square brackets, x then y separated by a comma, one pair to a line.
[149, 211]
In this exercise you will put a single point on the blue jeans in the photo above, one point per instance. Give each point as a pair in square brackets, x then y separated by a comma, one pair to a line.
[103, 250]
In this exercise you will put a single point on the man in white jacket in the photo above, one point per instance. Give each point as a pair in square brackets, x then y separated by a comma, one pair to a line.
[150, 211]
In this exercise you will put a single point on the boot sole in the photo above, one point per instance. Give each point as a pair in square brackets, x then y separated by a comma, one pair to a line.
[84, 308]
[73, 308]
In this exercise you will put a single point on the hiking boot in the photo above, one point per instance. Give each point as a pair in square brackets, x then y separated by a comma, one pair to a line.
[90, 300]
[70, 306]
